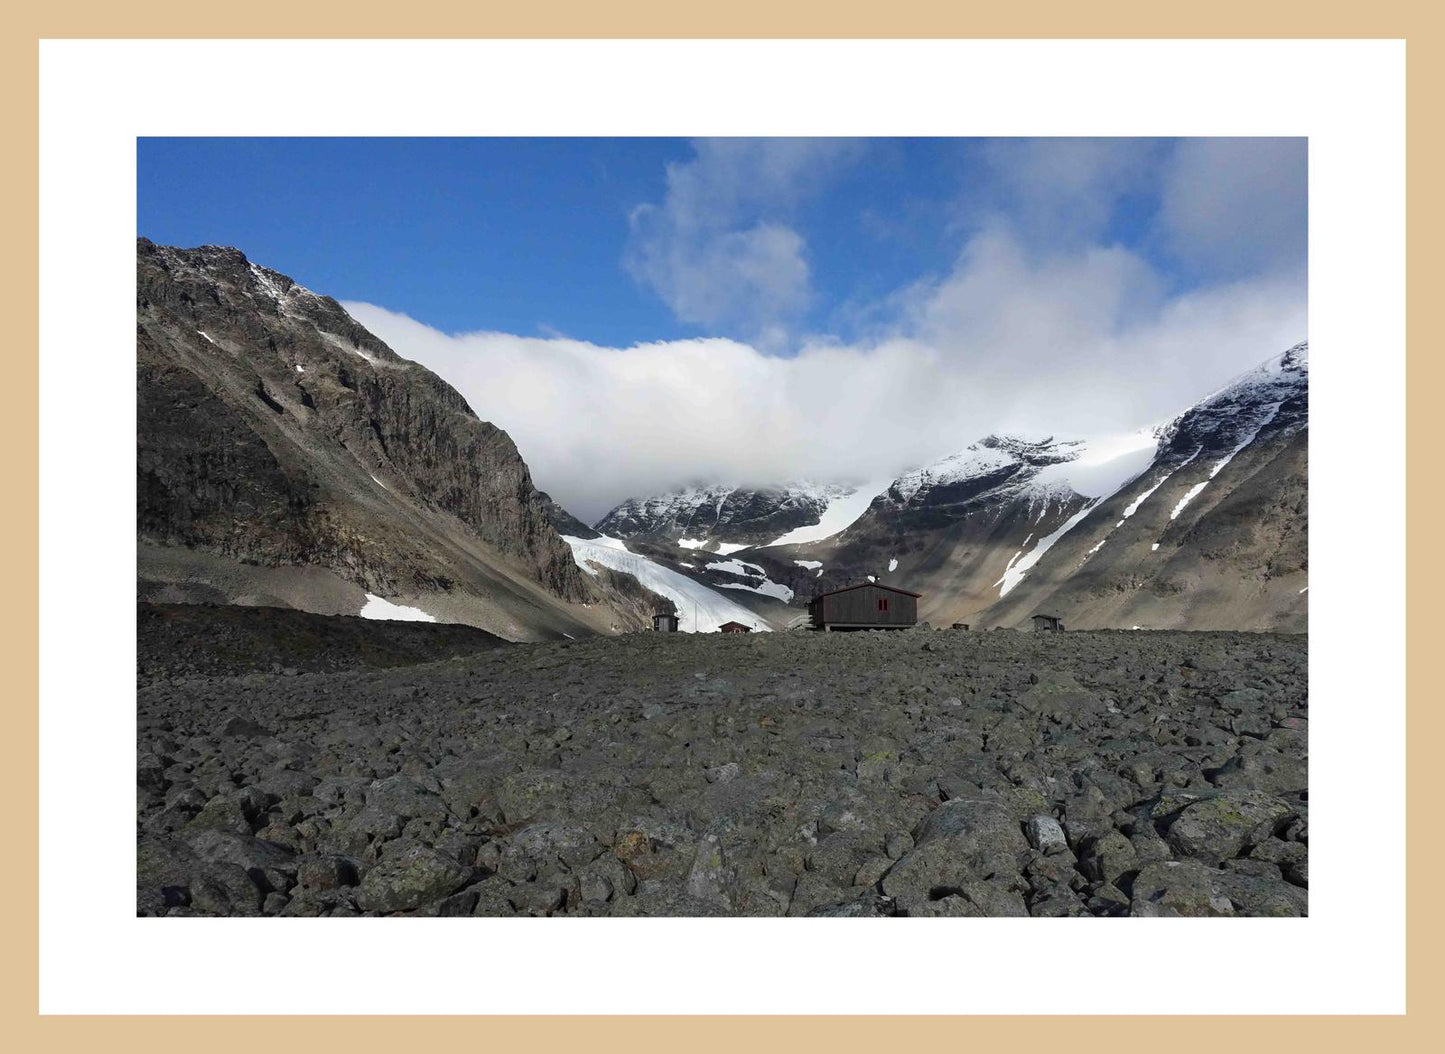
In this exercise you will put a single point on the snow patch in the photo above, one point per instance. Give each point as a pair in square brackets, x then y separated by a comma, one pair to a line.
[811, 565]
[1154, 547]
[203, 333]
[767, 589]
[723, 548]
[377, 608]
[893, 564]
[699, 609]
[737, 567]
[1304, 590]
[300, 368]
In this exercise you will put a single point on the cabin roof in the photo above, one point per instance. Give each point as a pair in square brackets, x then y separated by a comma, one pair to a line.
[865, 585]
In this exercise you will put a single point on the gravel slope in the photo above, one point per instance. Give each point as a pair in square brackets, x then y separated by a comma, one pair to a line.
[203, 639]
[915, 773]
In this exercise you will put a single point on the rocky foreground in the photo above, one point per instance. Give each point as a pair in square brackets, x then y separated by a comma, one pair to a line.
[918, 773]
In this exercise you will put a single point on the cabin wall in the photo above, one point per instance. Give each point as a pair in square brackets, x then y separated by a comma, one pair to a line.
[860, 606]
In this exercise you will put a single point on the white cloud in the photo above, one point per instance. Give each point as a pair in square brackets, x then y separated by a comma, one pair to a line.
[1236, 206]
[1069, 343]
[717, 249]
[1063, 191]
[1041, 326]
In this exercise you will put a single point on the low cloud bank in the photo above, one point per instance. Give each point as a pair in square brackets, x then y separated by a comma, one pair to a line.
[1072, 343]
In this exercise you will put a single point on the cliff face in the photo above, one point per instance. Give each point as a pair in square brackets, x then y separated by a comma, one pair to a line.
[273, 430]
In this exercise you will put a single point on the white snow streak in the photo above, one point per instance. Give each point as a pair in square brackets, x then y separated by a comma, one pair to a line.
[893, 564]
[699, 609]
[203, 333]
[1108, 467]
[1226, 459]
[1189, 495]
[1133, 506]
[378, 608]
[1014, 573]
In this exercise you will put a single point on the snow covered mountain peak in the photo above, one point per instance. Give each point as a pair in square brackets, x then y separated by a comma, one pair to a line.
[1276, 392]
[723, 516]
[1006, 466]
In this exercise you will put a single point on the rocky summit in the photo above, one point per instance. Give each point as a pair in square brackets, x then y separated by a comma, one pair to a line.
[921, 773]
[286, 457]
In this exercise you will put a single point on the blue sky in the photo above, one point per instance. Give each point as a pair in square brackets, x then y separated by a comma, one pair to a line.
[532, 236]
[528, 236]
[1045, 285]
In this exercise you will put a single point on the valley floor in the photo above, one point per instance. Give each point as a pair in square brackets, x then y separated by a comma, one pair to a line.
[913, 773]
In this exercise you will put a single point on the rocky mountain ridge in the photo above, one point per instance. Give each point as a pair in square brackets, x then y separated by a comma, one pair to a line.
[995, 530]
[721, 515]
[287, 456]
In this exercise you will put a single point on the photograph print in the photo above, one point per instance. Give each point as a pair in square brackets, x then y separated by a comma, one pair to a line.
[722, 527]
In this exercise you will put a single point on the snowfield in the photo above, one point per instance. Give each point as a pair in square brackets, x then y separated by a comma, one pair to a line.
[377, 608]
[842, 512]
[699, 609]
[1104, 464]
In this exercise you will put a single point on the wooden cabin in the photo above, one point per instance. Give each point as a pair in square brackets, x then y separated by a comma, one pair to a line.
[1048, 624]
[960, 625]
[664, 622]
[734, 627]
[870, 605]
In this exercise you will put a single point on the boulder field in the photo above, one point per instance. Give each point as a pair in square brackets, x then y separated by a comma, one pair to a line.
[918, 773]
